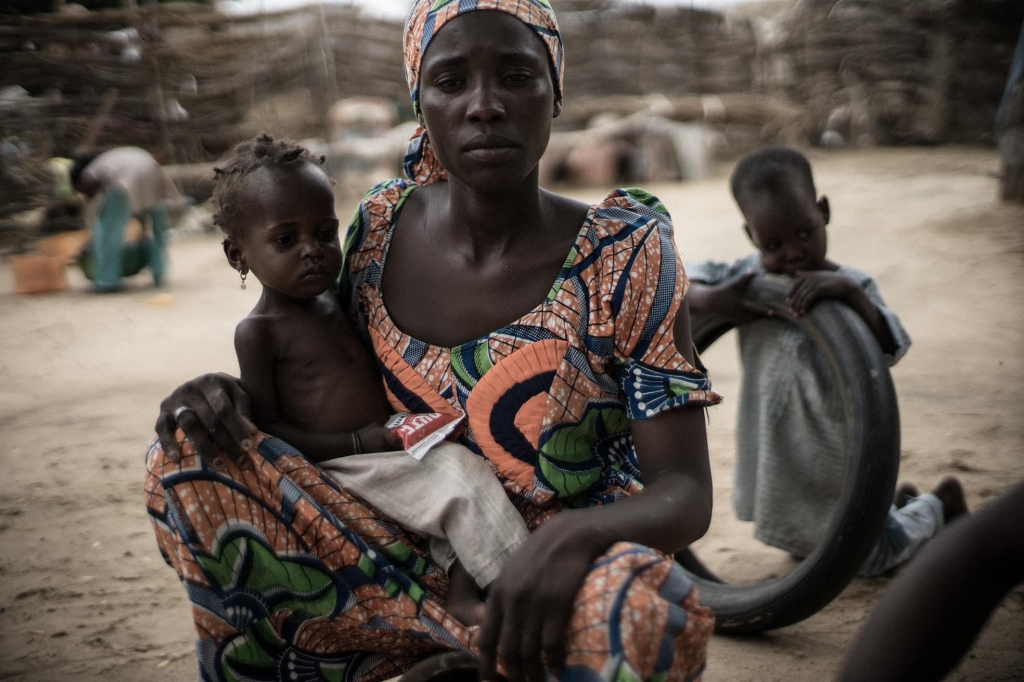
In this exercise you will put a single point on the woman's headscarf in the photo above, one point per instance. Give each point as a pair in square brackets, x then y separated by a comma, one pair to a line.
[425, 20]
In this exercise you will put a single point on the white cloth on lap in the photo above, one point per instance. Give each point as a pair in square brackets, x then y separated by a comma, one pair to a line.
[451, 496]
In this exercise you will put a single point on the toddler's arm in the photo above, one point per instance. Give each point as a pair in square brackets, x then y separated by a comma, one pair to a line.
[811, 287]
[718, 288]
[254, 346]
[319, 447]
[726, 299]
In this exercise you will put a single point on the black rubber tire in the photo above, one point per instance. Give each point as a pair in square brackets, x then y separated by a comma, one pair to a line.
[448, 666]
[872, 416]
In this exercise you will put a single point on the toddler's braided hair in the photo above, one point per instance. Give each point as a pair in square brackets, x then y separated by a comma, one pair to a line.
[229, 181]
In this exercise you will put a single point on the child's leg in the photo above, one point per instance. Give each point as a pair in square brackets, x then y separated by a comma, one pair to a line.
[907, 528]
[905, 492]
[465, 598]
[933, 611]
[479, 520]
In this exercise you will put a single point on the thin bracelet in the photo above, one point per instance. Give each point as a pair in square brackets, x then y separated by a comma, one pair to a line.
[357, 444]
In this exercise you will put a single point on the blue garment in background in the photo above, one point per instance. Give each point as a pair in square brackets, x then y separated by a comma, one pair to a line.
[112, 259]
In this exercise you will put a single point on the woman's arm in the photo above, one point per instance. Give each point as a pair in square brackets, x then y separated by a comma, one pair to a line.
[319, 447]
[530, 604]
[674, 508]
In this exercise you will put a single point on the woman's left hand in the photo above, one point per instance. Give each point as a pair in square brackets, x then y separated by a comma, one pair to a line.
[530, 604]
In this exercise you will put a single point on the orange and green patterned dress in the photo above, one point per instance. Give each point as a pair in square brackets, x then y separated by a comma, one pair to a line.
[548, 397]
[292, 578]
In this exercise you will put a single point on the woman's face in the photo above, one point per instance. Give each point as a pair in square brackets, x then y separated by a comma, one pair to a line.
[487, 99]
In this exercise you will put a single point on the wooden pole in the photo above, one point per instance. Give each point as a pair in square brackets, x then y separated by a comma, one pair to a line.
[92, 134]
[161, 111]
[330, 76]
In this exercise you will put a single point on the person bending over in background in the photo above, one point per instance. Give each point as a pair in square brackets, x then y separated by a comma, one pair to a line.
[123, 183]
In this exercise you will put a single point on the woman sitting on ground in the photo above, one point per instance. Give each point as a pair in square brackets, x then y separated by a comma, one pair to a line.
[557, 328]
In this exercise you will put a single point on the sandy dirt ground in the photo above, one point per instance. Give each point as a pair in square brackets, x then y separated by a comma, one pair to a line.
[85, 594]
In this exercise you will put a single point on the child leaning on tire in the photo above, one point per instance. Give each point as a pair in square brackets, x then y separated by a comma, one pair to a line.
[790, 458]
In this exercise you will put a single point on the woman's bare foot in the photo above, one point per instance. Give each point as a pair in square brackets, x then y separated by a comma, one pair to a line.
[951, 493]
[905, 493]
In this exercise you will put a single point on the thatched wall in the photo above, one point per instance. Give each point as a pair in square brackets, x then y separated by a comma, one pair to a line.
[869, 71]
[892, 71]
[982, 35]
[635, 49]
[214, 67]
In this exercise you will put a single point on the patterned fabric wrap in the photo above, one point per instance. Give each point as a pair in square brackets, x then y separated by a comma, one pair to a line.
[425, 20]
[292, 578]
[549, 397]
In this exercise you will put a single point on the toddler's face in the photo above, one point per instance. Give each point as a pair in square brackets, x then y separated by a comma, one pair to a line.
[291, 244]
[788, 228]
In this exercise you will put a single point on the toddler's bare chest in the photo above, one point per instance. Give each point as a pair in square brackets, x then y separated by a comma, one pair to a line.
[321, 349]
[327, 380]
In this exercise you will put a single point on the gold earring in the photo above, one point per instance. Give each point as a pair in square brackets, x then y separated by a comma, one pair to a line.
[243, 272]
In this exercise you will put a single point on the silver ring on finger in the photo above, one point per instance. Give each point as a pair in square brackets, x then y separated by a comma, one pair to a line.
[180, 411]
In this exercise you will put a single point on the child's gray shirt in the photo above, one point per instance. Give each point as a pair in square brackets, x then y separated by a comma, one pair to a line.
[790, 435]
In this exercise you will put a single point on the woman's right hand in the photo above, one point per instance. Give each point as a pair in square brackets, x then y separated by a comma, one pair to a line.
[529, 606]
[214, 414]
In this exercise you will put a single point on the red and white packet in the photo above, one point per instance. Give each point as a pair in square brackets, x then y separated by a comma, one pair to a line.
[420, 432]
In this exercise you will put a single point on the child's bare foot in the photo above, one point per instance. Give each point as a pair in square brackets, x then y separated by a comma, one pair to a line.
[951, 494]
[905, 493]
